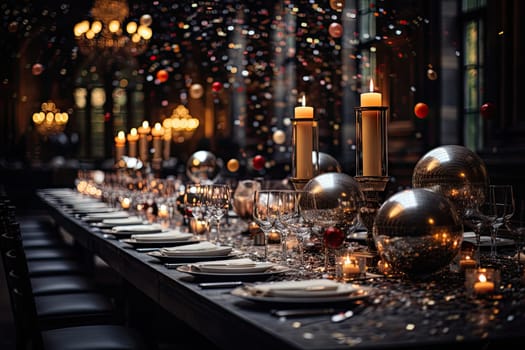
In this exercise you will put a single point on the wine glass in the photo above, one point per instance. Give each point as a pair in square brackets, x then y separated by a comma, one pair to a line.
[194, 202]
[292, 220]
[500, 209]
[266, 212]
[217, 199]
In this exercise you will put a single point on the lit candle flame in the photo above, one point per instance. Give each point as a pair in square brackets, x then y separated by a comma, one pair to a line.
[371, 85]
[145, 124]
[133, 131]
[304, 101]
[482, 278]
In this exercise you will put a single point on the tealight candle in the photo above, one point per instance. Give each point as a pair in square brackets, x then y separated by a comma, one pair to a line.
[350, 266]
[125, 203]
[482, 281]
[467, 262]
[483, 286]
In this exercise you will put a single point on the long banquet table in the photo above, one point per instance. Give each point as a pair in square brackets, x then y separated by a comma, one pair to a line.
[428, 313]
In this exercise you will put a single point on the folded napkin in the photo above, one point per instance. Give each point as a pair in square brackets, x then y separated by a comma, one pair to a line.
[198, 249]
[132, 220]
[304, 288]
[170, 236]
[102, 216]
[151, 228]
[242, 265]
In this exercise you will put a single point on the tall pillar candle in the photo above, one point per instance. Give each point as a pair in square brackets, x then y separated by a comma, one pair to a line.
[120, 144]
[304, 146]
[157, 132]
[371, 133]
[144, 131]
[132, 143]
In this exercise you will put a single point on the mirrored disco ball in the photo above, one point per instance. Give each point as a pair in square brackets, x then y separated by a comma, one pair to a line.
[418, 232]
[327, 163]
[332, 199]
[454, 171]
[203, 166]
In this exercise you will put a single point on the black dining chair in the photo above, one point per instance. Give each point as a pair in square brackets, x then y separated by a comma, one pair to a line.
[49, 272]
[61, 321]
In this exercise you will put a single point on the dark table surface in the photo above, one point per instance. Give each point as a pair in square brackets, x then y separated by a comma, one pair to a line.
[428, 312]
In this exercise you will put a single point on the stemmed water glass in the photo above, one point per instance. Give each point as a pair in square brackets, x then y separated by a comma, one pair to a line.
[194, 203]
[217, 199]
[500, 209]
[266, 212]
[292, 220]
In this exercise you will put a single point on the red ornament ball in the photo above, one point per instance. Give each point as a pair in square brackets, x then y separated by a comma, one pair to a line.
[37, 69]
[487, 110]
[162, 75]
[216, 86]
[258, 162]
[421, 110]
[333, 237]
[335, 30]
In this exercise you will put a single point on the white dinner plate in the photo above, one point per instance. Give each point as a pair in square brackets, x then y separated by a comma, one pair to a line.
[158, 243]
[191, 258]
[274, 270]
[345, 293]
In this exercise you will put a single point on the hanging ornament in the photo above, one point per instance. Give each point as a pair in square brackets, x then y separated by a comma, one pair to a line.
[196, 91]
[335, 30]
[487, 110]
[216, 86]
[421, 110]
[232, 165]
[146, 20]
[37, 69]
[258, 162]
[162, 75]
[337, 5]
[431, 74]
[279, 137]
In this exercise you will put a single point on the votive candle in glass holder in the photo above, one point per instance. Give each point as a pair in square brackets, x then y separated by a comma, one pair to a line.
[349, 265]
[482, 281]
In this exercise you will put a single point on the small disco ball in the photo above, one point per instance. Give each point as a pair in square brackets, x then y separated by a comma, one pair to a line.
[332, 199]
[455, 172]
[418, 232]
[327, 163]
[203, 166]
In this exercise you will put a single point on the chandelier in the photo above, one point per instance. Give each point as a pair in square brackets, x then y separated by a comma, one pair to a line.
[106, 31]
[50, 121]
[181, 123]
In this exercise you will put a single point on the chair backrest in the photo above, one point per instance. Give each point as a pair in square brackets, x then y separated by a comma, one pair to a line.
[18, 281]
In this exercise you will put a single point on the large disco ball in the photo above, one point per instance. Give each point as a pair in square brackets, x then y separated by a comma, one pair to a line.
[327, 163]
[332, 199]
[456, 172]
[418, 232]
[203, 166]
